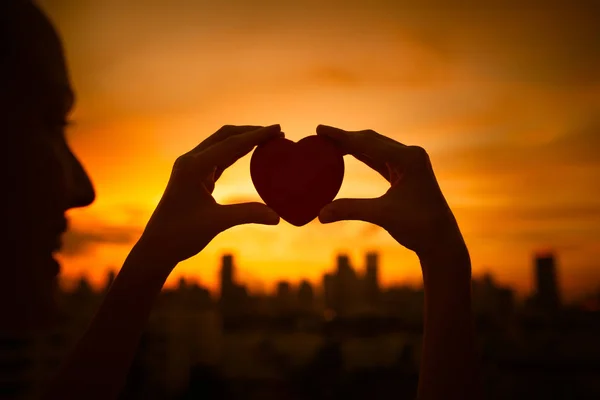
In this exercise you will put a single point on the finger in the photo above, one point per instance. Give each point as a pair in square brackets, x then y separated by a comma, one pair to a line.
[377, 147]
[382, 169]
[246, 213]
[357, 142]
[351, 147]
[222, 168]
[367, 210]
[228, 151]
[223, 133]
[243, 153]
[337, 132]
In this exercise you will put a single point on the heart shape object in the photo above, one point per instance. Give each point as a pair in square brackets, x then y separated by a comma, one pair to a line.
[297, 179]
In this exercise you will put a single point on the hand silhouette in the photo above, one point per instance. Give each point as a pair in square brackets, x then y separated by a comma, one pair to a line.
[187, 217]
[414, 210]
[416, 214]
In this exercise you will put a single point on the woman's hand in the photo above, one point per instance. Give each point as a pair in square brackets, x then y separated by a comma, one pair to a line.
[414, 210]
[187, 217]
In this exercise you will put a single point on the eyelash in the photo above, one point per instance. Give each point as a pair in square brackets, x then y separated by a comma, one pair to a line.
[64, 123]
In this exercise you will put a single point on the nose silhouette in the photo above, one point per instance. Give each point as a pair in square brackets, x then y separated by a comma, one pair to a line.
[81, 189]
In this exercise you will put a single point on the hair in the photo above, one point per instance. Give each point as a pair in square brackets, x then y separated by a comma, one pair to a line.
[22, 22]
[11, 14]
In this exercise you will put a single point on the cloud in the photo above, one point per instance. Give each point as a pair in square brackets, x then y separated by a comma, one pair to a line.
[335, 76]
[80, 241]
[581, 212]
[546, 43]
[581, 146]
[578, 147]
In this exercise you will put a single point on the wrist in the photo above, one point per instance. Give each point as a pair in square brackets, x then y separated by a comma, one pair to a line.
[447, 264]
[151, 258]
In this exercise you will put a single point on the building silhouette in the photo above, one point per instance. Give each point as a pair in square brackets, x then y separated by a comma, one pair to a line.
[343, 293]
[347, 287]
[371, 280]
[186, 348]
[306, 298]
[546, 296]
[329, 292]
[284, 301]
[492, 303]
[233, 296]
[347, 293]
[227, 276]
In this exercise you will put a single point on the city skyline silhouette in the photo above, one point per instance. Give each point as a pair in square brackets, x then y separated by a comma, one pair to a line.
[351, 337]
[363, 278]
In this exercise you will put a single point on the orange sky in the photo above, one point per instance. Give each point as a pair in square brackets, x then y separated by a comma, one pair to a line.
[506, 98]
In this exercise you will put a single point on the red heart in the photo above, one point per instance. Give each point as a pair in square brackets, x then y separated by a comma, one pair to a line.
[297, 179]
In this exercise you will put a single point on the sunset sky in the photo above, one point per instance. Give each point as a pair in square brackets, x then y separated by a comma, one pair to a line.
[505, 98]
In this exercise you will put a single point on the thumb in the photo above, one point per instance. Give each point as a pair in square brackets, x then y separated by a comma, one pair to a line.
[367, 210]
[247, 213]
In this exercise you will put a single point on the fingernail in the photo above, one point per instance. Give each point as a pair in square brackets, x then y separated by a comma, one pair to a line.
[269, 128]
[330, 130]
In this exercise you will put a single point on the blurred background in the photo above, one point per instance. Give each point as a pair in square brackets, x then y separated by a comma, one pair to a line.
[505, 96]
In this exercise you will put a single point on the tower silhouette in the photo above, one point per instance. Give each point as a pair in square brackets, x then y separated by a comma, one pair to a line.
[371, 280]
[347, 289]
[229, 289]
[306, 297]
[547, 292]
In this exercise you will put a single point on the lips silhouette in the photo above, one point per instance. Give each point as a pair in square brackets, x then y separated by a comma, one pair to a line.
[297, 179]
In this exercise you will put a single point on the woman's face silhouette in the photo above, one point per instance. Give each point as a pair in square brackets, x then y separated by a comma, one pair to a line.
[43, 178]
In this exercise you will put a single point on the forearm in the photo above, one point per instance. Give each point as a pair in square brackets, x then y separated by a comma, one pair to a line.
[449, 366]
[98, 367]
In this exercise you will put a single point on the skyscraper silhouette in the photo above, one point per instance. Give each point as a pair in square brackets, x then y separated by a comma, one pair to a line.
[547, 292]
[371, 280]
[229, 290]
[347, 286]
[329, 291]
[306, 297]
[227, 272]
[284, 297]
